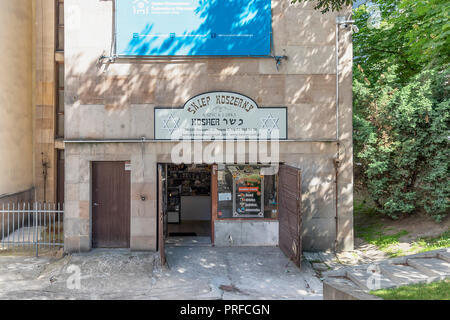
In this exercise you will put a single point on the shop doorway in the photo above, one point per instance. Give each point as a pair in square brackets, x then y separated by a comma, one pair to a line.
[186, 203]
[243, 194]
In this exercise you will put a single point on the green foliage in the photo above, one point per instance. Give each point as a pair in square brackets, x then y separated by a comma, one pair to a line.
[413, 35]
[430, 291]
[401, 106]
[429, 244]
[328, 5]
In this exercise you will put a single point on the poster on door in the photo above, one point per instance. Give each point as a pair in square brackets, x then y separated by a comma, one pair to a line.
[248, 194]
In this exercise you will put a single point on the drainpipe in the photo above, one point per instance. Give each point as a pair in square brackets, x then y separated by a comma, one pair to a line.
[336, 175]
[44, 175]
[340, 22]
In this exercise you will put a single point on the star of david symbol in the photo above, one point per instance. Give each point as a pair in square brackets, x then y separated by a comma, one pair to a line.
[270, 123]
[171, 123]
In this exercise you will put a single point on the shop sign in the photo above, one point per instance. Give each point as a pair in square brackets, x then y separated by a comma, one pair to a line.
[221, 115]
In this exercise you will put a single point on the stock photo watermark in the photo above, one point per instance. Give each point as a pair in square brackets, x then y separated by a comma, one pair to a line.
[73, 282]
[226, 147]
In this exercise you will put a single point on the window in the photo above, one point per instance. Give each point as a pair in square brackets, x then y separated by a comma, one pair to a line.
[59, 25]
[60, 100]
[244, 192]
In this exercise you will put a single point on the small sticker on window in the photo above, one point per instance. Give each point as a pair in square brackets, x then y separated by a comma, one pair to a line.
[225, 196]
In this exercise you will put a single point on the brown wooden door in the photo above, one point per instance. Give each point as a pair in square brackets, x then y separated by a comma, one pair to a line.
[162, 216]
[110, 205]
[290, 219]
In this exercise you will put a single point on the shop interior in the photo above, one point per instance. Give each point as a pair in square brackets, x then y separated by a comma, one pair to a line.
[188, 194]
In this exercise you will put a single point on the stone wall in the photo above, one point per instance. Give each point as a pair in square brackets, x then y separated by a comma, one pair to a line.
[16, 128]
[44, 99]
[25, 197]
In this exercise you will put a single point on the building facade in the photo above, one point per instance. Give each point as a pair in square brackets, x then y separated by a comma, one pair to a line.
[31, 101]
[113, 134]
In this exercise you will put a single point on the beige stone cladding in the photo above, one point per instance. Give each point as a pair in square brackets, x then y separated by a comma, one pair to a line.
[16, 112]
[117, 100]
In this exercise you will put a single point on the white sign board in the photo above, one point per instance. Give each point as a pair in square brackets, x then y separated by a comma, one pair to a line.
[225, 115]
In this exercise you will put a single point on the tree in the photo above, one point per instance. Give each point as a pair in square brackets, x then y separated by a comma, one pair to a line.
[413, 34]
[401, 106]
[401, 103]
[327, 5]
[401, 140]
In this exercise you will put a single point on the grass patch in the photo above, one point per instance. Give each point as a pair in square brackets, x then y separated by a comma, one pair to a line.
[430, 291]
[369, 228]
[429, 244]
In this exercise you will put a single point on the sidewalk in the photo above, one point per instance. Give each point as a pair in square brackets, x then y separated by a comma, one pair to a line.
[194, 273]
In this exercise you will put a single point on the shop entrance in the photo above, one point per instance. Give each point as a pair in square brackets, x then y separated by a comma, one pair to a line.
[243, 205]
[187, 203]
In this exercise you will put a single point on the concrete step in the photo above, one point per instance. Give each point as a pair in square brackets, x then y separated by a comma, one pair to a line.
[339, 288]
[365, 278]
[403, 275]
[444, 256]
[432, 267]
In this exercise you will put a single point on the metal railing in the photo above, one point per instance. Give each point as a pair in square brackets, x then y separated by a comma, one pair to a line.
[34, 226]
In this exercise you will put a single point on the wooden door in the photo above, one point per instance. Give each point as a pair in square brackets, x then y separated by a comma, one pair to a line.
[110, 205]
[289, 216]
[214, 200]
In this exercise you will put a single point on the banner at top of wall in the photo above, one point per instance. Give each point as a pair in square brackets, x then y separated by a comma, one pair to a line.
[193, 27]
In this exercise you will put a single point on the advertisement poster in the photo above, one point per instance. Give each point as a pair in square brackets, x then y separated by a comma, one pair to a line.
[193, 27]
[249, 194]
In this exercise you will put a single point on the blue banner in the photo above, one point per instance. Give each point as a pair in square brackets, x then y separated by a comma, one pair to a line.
[193, 27]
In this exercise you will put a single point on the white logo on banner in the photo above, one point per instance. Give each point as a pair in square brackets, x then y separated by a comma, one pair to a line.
[141, 7]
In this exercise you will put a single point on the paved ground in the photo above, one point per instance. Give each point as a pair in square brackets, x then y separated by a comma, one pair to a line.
[193, 273]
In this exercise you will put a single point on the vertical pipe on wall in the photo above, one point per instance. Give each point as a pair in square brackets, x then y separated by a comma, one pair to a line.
[336, 160]
[345, 23]
[337, 79]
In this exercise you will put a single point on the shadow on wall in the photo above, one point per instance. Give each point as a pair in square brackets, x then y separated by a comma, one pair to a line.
[219, 24]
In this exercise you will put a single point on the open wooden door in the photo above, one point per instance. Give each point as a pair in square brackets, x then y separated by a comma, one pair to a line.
[214, 200]
[289, 216]
[162, 214]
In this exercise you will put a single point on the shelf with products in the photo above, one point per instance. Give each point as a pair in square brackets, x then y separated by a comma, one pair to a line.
[185, 180]
[174, 204]
[193, 181]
